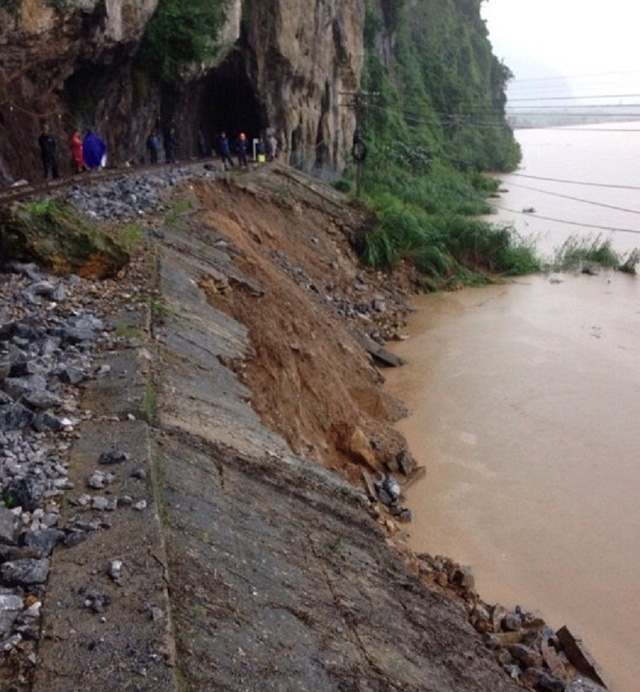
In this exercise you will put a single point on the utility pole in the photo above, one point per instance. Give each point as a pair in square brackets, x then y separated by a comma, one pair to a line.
[359, 148]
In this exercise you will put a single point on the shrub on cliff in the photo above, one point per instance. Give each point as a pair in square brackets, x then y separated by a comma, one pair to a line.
[179, 33]
[56, 236]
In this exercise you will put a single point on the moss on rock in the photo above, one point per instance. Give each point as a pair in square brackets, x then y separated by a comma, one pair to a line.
[56, 236]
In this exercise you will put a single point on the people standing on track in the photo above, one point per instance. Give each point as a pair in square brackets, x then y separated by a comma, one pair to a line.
[170, 146]
[223, 149]
[153, 144]
[75, 142]
[241, 150]
[94, 150]
[48, 153]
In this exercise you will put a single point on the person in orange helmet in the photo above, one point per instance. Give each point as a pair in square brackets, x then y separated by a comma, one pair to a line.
[241, 149]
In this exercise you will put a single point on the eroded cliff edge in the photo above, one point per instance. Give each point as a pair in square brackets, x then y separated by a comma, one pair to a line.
[239, 563]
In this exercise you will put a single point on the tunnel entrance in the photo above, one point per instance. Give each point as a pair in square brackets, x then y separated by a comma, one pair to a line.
[229, 103]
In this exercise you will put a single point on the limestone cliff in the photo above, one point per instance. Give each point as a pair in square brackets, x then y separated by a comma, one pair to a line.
[304, 68]
[281, 64]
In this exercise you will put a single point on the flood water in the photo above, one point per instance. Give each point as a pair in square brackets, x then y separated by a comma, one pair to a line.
[525, 409]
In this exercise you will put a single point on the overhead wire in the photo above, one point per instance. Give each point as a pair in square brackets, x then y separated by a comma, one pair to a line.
[574, 98]
[576, 199]
[625, 73]
[411, 117]
[575, 182]
[570, 223]
[463, 119]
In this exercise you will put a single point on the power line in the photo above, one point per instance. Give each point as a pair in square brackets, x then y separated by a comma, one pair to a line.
[576, 182]
[560, 110]
[439, 119]
[570, 223]
[578, 76]
[574, 98]
[577, 199]
[582, 128]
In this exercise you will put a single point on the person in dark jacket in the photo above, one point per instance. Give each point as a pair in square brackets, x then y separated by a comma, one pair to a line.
[202, 145]
[94, 150]
[153, 143]
[48, 154]
[223, 149]
[170, 146]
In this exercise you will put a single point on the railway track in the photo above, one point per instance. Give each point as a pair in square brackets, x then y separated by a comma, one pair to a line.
[18, 193]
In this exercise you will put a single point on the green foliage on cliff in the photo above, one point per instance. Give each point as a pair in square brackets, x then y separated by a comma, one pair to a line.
[432, 116]
[181, 32]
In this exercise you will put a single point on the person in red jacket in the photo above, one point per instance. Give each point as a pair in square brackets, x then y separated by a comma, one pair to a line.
[75, 142]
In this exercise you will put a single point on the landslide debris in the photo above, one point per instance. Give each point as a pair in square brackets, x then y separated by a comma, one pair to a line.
[309, 308]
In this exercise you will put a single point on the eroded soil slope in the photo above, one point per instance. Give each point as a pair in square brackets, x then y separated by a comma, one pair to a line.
[310, 381]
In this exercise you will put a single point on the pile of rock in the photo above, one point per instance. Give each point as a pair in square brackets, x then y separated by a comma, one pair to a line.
[527, 648]
[133, 195]
[47, 340]
[379, 313]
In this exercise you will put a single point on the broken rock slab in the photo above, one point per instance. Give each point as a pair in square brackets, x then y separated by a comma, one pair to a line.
[581, 657]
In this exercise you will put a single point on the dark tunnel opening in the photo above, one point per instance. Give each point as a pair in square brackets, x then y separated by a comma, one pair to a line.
[229, 103]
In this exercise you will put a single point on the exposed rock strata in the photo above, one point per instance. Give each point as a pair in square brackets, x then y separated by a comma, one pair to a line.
[45, 50]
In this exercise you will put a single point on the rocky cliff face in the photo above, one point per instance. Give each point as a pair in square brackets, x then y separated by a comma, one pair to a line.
[307, 60]
[287, 66]
[57, 59]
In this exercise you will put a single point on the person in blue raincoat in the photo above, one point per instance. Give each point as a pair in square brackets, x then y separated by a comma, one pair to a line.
[94, 150]
[224, 150]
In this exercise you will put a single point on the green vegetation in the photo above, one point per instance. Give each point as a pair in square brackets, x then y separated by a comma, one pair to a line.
[199, 611]
[578, 253]
[158, 308]
[130, 235]
[181, 32]
[128, 331]
[432, 117]
[177, 209]
[629, 264]
[336, 545]
[575, 252]
[445, 245]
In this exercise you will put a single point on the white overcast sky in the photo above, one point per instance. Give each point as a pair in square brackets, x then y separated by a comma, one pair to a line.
[575, 38]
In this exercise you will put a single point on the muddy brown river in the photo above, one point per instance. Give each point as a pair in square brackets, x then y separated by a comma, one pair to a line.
[525, 410]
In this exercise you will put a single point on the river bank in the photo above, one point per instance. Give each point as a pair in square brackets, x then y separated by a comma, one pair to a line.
[523, 401]
[266, 556]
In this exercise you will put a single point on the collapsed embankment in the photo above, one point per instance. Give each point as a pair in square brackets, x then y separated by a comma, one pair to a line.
[280, 577]
[234, 546]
